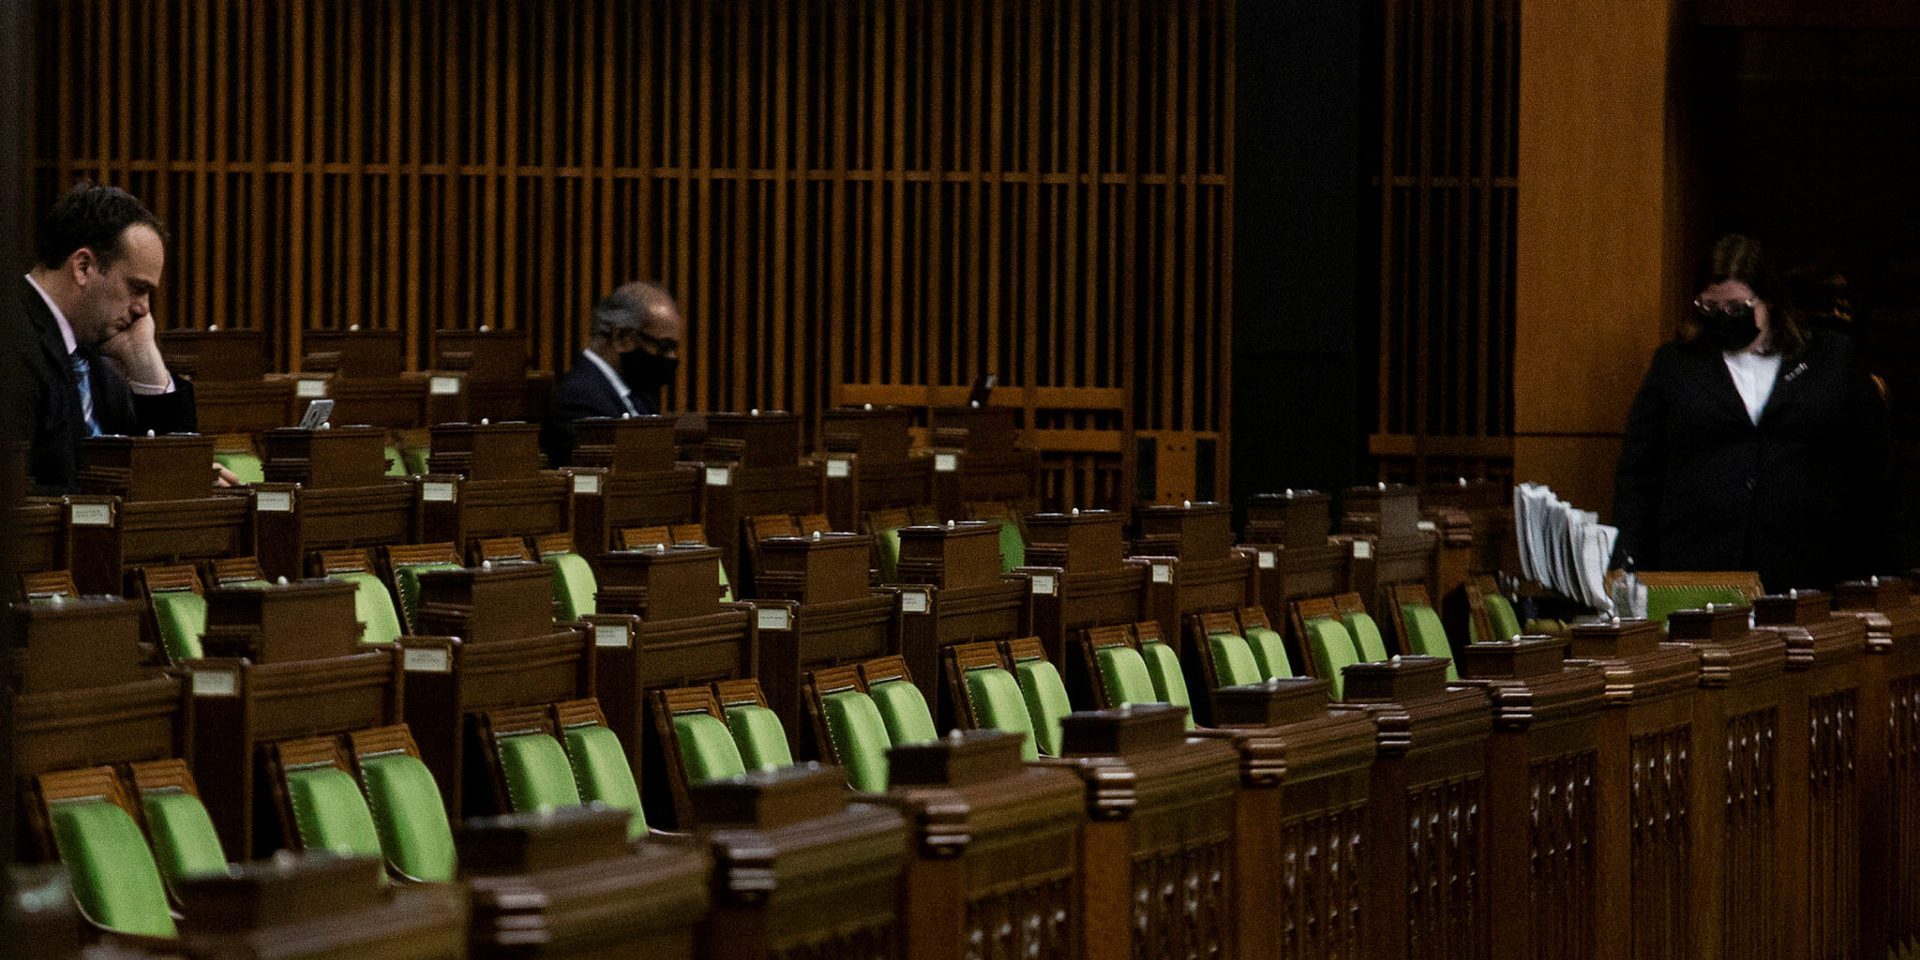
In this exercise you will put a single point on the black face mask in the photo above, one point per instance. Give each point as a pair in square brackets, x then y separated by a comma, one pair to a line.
[1730, 329]
[645, 373]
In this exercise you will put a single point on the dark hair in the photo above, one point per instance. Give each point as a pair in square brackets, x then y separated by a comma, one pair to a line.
[626, 308]
[94, 217]
[1740, 257]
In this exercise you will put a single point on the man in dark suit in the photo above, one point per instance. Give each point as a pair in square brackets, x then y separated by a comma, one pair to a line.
[84, 360]
[632, 352]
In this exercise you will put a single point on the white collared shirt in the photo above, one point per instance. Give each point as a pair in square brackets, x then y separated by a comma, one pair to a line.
[1753, 375]
[73, 343]
[613, 378]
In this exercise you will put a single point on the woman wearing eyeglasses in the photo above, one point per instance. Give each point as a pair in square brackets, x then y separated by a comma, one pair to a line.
[1756, 442]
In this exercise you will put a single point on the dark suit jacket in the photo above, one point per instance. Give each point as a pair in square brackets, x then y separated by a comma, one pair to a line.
[581, 393]
[43, 396]
[1805, 497]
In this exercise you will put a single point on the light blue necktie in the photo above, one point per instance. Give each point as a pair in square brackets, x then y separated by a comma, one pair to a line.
[81, 371]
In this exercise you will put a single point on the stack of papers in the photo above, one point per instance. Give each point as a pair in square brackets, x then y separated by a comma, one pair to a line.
[1562, 547]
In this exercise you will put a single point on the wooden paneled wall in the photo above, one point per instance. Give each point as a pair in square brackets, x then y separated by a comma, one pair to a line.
[878, 194]
[1447, 185]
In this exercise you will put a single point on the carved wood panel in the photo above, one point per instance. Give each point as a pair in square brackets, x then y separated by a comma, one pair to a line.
[1660, 818]
[1562, 807]
[1323, 876]
[877, 940]
[1750, 893]
[1833, 825]
[1445, 904]
[1022, 921]
[1903, 921]
[1181, 901]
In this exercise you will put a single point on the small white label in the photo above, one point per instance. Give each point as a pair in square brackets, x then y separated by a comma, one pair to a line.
[611, 636]
[1427, 526]
[586, 484]
[1266, 560]
[1363, 549]
[215, 683]
[1162, 573]
[426, 660]
[719, 476]
[945, 462]
[273, 501]
[838, 469]
[773, 618]
[438, 491]
[1043, 584]
[444, 386]
[91, 515]
[913, 601]
[310, 389]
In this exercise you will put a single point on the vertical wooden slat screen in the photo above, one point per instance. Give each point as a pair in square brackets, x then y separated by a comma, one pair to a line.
[1447, 181]
[881, 193]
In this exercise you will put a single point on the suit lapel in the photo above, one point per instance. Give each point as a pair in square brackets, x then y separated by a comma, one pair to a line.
[1716, 381]
[45, 330]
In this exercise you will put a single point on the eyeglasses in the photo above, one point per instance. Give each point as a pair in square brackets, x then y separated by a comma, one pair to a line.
[1710, 307]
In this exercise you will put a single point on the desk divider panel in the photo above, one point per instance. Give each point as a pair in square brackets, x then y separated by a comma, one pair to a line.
[952, 592]
[1094, 584]
[1427, 807]
[1889, 761]
[1301, 842]
[751, 468]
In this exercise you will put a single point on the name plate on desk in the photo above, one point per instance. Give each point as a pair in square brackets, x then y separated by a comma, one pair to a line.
[436, 491]
[90, 514]
[1267, 560]
[773, 618]
[914, 601]
[215, 683]
[1162, 573]
[839, 468]
[273, 501]
[444, 386]
[946, 462]
[586, 484]
[307, 389]
[1044, 585]
[719, 476]
[612, 637]
[426, 660]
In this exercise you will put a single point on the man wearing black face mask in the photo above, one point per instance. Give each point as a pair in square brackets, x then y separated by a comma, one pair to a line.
[632, 353]
[1756, 442]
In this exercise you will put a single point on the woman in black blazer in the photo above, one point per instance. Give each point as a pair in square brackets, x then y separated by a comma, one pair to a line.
[1756, 443]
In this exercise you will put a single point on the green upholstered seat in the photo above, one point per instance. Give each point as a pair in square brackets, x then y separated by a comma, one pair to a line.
[415, 459]
[244, 466]
[1663, 601]
[889, 543]
[707, 749]
[1332, 650]
[726, 586]
[1367, 641]
[1013, 547]
[182, 616]
[904, 710]
[859, 738]
[1426, 635]
[1270, 652]
[1047, 702]
[1500, 615]
[407, 579]
[761, 736]
[373, 607]
[539, 778]
[574, 587]
[996, 700]
[112, 871]
[601, 771]
[1124, 676]
[1233, 661]
[1169, 679]
[331, 813]
[410, 817]
[396, 462]
[184, 842]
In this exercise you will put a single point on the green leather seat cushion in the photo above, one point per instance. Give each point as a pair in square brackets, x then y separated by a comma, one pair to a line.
[1169, 679]
[1506, 623]
[1233, 661]
[574, 586]
[707, 749]
[904, 709]
[396, 462]
[184, 842]
[1270, 652]
[889, 543]
[331, 813]
[182, 615]
[1332, 650]
[1124, 676]
[539, 778]
[373, 607]
[244, 466]
[997, 702]
[604, 776]
[416, 459]
[1013, 547]
[410, 817]
[1428, 636]
[1372, 647]
[859, 739]
[760, 735]
[1047, 702]
[112, 871]
[407, 580]
[1663, 601]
